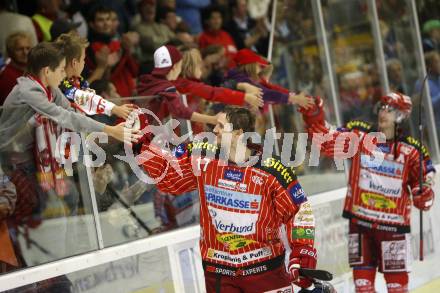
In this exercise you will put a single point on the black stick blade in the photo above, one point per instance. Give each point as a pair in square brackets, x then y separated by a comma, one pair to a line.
[316, 274]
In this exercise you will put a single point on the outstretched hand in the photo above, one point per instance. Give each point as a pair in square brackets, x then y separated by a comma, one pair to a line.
[301, 100]
[251, 89]
[123, 134]
[123, 111]
[253, 100]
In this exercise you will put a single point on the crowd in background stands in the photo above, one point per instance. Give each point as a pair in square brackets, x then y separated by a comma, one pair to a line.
[119, 42]
[123, 37]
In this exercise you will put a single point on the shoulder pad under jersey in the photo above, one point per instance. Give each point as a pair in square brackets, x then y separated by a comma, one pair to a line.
[274, 166]
[415, 143]
[359, 125]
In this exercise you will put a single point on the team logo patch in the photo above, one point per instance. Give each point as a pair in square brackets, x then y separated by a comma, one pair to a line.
[257, 179]
[377, 201]
[386, 167]
[233, 175]
[297, 194]
[232, 199]
[233, 222]
[380, 184]
[223, 183]
[287, 174]
[233, 242]
[304, 216]
[179, 150]
[377, 215]
[429, 166]
[239, 258]
[303, 233]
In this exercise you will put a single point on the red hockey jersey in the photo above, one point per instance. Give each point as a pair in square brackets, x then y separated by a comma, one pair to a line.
[241, 208]
[378, 194]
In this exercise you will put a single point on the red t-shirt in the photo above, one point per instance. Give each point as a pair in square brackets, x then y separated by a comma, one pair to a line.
[8, 79]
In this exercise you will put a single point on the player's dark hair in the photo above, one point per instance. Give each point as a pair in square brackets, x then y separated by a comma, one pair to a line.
[240, 118]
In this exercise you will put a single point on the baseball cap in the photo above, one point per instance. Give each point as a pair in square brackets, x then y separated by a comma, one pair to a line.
[430, 25]
[164, 59]
[247, 56]
[62, 26]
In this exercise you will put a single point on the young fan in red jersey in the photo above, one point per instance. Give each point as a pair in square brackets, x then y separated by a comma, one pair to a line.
[378, 202]
[189, 84]
[76, 88]
[167, 67]
[249, 66]
[241, 207]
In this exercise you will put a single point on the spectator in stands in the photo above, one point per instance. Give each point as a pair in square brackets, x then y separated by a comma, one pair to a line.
[108, 56]
[190, 10]
[168, 17]
[215, 35]
[107, 90]
[167, 68]
[395, 76]
[78, 12]
[354, 96]
[186, 38]
[11, 22]
[248, 70]
[432, 30]
[215, 64]
[47, 12]
[432, 61]
[115, 23]
[18, 46]
[246, 32]
[63, 26]
[189, 84]
[157, 33]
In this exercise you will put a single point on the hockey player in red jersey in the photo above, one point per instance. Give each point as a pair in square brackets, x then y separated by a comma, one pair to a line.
[241, 208]
[378, 201]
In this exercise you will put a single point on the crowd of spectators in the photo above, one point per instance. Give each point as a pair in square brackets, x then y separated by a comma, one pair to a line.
[116, 42]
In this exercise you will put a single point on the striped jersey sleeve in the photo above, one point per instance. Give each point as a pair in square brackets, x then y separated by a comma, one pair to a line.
[291, 204]
[173, 171]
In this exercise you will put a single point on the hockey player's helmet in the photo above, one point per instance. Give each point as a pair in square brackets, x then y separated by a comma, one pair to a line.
[399, 102]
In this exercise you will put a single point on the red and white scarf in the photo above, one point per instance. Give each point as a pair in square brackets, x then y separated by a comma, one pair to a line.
[50, 174]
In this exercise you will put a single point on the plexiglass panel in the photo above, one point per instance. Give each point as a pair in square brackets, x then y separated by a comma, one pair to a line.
[404, 63]
[300, 66]
[353, 55]
[46, 213]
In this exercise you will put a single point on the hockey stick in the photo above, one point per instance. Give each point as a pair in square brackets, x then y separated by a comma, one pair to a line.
[421, 164]
[316, 274]
[141, 223]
